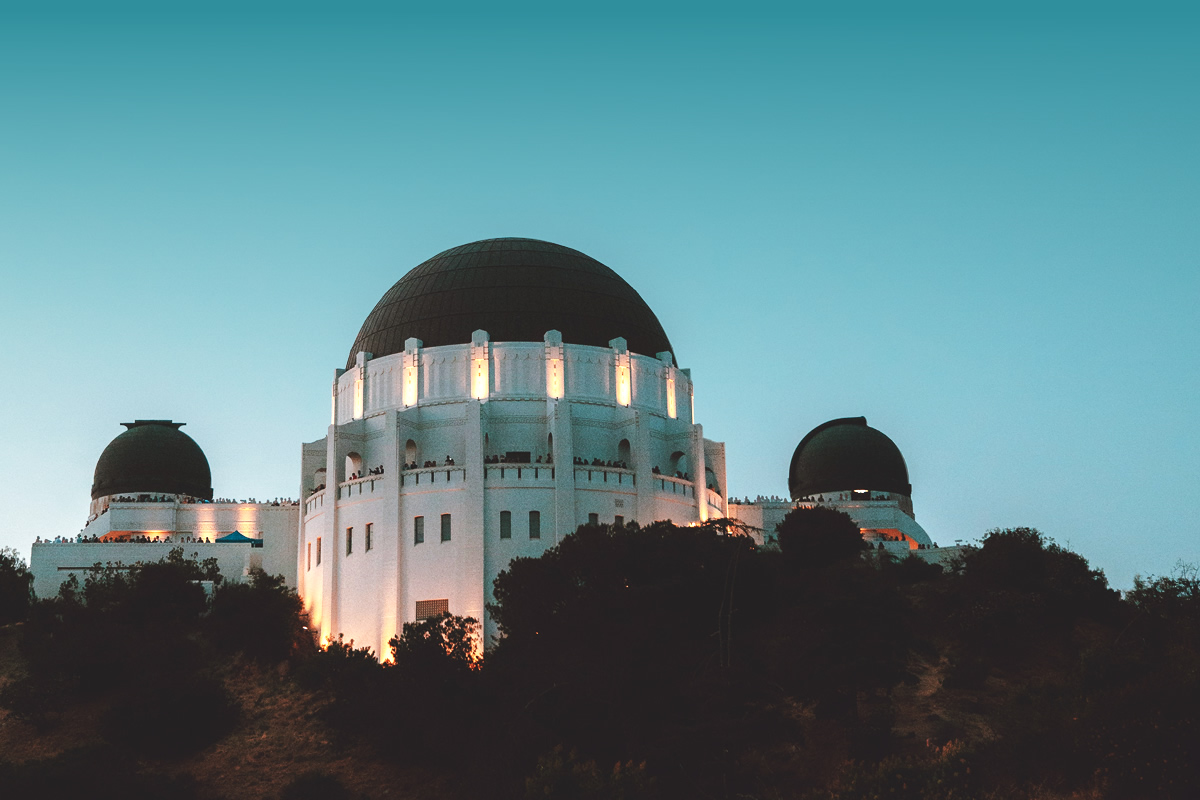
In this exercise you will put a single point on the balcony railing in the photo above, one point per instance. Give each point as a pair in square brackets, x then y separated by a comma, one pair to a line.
[429, 476]
[669, 485]
[612, 475]
[358, 487]
[519, 472]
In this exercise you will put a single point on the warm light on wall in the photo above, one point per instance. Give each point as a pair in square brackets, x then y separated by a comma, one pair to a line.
[623, 384]
[554, 380]
[358, 397]
[479, 365]
[410, 386]
[479, 378]
[333, 406]
[671, 398]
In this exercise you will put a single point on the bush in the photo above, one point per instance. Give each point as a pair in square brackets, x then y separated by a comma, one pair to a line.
[819, 537]
[261, 618]
[97, 773]
[16, 587]
[562, 775]
[315, 785]
[941, 773]
[172, 717]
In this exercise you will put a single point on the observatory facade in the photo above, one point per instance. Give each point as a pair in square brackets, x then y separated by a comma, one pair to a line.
[499, 396]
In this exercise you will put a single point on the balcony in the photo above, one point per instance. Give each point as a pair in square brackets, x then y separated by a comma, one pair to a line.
[348, 490]
[523, 473]
[588, 476]
[677, 486]
[432, 476]
[315, 502]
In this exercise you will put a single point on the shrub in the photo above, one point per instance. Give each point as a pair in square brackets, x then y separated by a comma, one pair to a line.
[172, 717]
[315, 785]
[260, 618]
[819, 537]
[16, 587]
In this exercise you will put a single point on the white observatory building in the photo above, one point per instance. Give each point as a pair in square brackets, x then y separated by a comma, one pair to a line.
[500, 395]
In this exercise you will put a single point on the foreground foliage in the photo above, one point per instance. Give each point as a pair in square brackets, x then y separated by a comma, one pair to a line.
[666, 662]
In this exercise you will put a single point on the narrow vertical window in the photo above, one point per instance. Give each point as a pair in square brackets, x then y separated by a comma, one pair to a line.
[445, 527]
[593, 519]
[318, 551]
[505, 524]
[535, 524]
[418, 530]
[349, 541]
[619, 521]
[308, 557]
[370, 526]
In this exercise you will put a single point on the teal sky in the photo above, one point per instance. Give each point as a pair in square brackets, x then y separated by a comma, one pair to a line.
[979, 230]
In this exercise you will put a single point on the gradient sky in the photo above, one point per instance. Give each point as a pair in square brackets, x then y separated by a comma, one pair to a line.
[978, 230]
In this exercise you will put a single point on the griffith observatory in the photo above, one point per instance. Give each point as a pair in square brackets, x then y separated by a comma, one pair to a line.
[498, 396]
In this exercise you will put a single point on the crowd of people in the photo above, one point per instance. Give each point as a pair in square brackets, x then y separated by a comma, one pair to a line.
[681, 475]
[843, 497]
[189, 500]
[746, 501]
[503, 459]
[599, 462]
[449, 462]
[139, 539]
[372, 471]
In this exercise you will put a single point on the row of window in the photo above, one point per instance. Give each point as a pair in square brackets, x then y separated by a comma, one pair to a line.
[368, 538]
[419, 529]
[368, 544]
[535, 525]
[535, 532]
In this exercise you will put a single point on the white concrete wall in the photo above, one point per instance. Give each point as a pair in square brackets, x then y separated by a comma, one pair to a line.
[368, 596]
[52, 563]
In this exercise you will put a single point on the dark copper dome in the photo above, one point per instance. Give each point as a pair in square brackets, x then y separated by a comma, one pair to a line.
[847, 454]
[153, 456]
[516, 290]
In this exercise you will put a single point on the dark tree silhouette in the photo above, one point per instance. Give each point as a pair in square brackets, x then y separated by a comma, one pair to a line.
[819, 537]
[16, 587]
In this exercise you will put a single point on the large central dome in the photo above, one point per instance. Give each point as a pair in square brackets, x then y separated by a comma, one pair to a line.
[516, 290]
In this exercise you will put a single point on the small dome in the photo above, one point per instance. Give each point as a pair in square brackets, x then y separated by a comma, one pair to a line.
[516, 290]
[153, 456]
[847, 454]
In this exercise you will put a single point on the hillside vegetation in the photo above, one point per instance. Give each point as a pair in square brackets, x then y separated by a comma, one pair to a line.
[657, 662]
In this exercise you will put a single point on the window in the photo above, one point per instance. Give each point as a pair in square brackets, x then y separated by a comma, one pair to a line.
[349, 541]
[431, 608]
[505, 524]
[308, 557]
[370, 526]
[619, 521]
[593, 519]
[535, 524]
[318, 551]
[445, 527]
[418, 530]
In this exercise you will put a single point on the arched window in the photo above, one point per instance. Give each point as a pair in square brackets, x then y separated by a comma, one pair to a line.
[411, 452]
[354, 466]
[319, 478]
[623, 452]
[678, 464]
